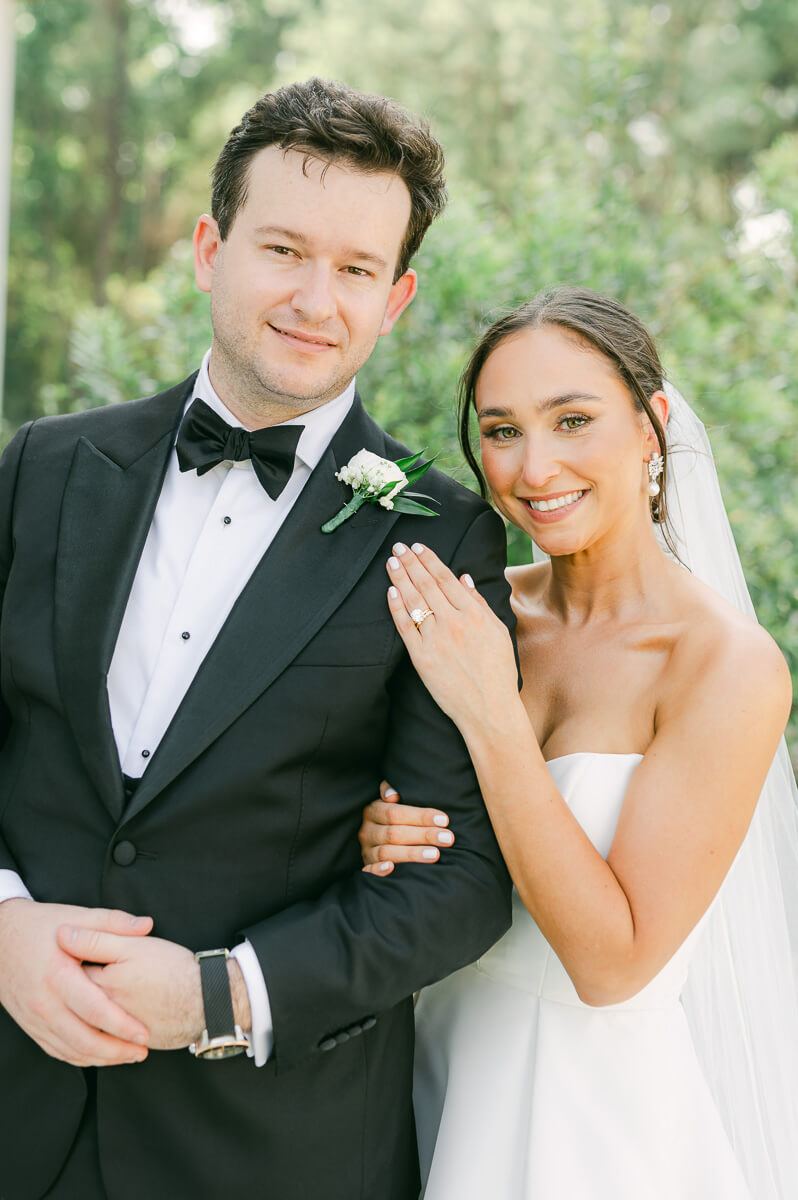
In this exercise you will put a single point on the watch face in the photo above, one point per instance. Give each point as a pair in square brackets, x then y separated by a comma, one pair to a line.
[228, 1051]
[222, 1047]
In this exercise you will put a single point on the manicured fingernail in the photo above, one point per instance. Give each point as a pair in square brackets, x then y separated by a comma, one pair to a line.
[399, 548]
[385, 867]
[440, 820]
[445, 839]
[430, 852]
[468, 581]
[72, 933]
[417, 548]
[393, 563]
[390, 792]
[140, 1039]
[393, 592]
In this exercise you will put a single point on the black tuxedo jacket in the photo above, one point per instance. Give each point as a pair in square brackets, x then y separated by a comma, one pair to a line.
[245, 821]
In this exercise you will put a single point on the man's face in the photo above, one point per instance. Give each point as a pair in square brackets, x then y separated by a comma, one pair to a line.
[303, 285]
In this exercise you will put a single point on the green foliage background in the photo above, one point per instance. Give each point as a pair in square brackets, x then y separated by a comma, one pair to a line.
[648, 151]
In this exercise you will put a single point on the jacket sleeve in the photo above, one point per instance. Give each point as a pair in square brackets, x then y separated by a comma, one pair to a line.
[366, 944]
[9, 470]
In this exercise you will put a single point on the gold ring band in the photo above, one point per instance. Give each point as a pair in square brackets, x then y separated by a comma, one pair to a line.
[418, 617]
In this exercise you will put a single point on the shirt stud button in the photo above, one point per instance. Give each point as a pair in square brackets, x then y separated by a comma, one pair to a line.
[185, 635]
[227, 520]
[145, 754]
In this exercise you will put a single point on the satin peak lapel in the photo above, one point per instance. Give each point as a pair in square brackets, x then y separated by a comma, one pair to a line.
[108, 504]
[297, 585]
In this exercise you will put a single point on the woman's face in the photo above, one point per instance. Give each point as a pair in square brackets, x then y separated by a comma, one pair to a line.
[563, 448]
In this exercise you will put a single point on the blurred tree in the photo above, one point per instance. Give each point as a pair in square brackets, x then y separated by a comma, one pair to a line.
[646, 150]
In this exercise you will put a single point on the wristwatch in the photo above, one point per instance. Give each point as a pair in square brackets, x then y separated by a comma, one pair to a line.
[221, 1038]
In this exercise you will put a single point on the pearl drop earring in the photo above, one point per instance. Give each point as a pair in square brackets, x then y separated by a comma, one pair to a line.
[655, 466]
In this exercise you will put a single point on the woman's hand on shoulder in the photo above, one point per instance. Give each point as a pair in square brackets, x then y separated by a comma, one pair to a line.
[393, 832]
[462, 651]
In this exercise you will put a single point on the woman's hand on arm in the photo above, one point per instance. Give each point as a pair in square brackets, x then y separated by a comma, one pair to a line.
[463, 652]
[393, 832]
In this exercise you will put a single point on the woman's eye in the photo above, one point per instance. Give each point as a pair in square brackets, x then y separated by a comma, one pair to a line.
[502, 433]
[574, 421]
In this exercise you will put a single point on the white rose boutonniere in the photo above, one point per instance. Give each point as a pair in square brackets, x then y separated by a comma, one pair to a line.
[376, 480]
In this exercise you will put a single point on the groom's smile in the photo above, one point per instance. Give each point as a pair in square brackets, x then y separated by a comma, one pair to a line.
[304, 343]
[303, 284]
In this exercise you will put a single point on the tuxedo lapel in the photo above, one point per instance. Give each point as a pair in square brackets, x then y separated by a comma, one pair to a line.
[108, 504]
[300, 581]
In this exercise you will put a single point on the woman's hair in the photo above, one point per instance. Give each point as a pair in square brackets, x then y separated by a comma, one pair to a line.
[336, 124]
[598, 321]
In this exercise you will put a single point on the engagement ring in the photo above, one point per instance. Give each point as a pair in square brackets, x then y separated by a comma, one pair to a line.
[418, 616]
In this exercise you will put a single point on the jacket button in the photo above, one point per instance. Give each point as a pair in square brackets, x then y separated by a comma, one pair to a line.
[341, 1038]
[124, 854]
[328, 1044]
[369, 1023]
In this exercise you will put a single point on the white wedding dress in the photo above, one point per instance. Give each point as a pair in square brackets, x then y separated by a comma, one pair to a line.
[522, 1092]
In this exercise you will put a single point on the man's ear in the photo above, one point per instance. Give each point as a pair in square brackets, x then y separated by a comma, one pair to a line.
[207, 243]
[399, 297]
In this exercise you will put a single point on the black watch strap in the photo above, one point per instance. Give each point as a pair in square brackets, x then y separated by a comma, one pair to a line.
[216, 997]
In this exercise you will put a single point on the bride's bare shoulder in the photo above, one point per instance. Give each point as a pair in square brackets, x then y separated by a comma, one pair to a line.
[721, 654]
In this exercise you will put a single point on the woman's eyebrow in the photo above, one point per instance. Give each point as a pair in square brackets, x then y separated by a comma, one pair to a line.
[568, 398]
[543, 405]
[494, 412]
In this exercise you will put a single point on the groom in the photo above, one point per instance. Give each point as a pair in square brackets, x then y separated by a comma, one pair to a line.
[201, 690]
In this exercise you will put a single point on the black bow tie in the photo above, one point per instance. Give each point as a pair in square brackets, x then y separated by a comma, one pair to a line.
[205, 440]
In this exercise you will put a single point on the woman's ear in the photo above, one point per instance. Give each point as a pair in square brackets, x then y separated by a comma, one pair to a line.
[659, 402]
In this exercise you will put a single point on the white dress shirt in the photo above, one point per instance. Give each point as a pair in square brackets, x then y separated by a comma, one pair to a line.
[207, 536]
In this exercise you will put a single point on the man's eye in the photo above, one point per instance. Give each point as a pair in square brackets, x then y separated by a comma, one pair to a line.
[281, 249]
[356, 271]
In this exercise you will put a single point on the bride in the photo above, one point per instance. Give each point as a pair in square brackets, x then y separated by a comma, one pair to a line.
[635, 1034]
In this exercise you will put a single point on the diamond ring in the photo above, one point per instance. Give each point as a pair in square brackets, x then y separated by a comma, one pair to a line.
[419, 615]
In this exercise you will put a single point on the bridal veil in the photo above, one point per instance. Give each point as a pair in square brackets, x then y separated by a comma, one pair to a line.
[741, 997]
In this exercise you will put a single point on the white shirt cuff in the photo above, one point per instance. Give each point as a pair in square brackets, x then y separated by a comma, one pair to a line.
[12, 887]
[262, 1035]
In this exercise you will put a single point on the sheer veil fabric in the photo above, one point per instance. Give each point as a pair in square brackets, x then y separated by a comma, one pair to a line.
[741, 997]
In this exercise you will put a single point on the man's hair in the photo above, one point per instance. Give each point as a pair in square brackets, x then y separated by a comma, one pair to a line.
[336, 124]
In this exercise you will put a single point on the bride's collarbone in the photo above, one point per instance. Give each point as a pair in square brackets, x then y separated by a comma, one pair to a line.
[607, 690]
[585, 693]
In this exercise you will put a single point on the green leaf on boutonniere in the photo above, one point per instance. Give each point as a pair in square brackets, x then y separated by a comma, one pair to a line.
[410, 507]
[404, 463]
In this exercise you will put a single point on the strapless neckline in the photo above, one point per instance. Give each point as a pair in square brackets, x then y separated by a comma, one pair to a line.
[592, 754]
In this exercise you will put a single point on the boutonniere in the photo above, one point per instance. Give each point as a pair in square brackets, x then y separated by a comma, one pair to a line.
[376, 480]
